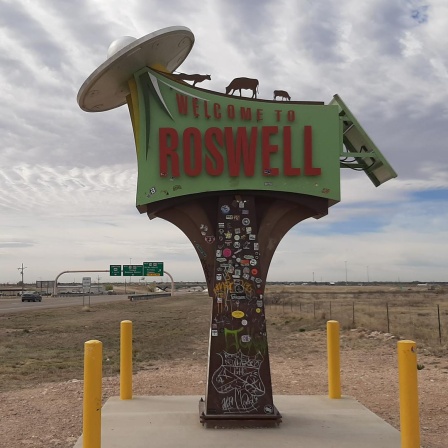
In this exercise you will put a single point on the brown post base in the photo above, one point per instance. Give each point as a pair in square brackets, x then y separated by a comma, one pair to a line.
[238, 420]
[235, 235]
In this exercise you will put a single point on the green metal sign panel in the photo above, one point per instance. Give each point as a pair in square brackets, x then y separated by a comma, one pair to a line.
[133, 270]
[193, 141]
[361, 147]
[153, 268]
[115, 270]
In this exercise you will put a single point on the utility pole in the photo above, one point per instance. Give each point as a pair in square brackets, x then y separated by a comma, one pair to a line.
[99, 284]
[21, 272]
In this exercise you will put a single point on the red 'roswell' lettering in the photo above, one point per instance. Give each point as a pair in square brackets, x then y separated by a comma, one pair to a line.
[235, 150]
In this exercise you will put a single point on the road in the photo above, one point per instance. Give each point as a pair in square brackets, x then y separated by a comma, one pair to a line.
[15, 305]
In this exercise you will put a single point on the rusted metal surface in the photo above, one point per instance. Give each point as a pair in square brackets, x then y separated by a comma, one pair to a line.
[276, 214]
[235, 236]
[238, 420]
[239, 377]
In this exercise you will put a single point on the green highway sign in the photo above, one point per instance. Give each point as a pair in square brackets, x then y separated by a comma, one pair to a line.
[149, 268]
[153, 268]
[115, 270]
[133, 270]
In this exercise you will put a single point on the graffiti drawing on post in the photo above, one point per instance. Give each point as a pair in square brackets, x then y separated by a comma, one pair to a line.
[238, 380]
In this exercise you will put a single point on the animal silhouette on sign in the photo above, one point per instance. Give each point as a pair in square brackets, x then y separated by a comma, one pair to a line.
[283, 94]
[195, 77]
[243, 84]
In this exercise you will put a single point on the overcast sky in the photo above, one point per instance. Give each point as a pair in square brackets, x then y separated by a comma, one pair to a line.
[68, 178]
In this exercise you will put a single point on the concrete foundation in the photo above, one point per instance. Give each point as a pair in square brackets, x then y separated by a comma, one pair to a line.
[309, 421]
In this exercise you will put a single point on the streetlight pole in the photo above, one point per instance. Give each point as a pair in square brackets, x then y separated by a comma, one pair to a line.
[346, 272]
[21, 272]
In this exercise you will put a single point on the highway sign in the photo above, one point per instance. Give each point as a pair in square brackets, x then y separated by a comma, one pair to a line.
[133, 270]
[86, 282]
[153, 268]
[114, 270]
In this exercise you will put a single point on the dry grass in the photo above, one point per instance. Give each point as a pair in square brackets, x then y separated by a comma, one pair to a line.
[48, 345]
[407, 313]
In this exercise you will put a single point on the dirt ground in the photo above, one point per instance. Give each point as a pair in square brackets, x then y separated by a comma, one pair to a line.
[50, 414]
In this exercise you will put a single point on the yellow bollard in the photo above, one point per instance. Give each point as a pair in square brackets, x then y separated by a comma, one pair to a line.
[407, 377]
[334, 363]
[91, 419]
[126, 360]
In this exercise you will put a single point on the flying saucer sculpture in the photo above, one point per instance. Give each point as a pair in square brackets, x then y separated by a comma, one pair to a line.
[234, 174]
[107, 87]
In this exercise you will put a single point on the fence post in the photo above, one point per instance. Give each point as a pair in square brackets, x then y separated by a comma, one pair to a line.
[126, 360]
[440, 326]
[407, 376]
[334, 363]
[387, 313]
[353, 314]
[91, 421]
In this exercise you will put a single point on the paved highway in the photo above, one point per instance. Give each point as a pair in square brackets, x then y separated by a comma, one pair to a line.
[15, 305]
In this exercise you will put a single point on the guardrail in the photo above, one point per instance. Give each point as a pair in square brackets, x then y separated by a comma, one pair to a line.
[136, 297]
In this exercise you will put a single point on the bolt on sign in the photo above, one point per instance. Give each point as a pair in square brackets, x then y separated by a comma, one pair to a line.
[234, 174]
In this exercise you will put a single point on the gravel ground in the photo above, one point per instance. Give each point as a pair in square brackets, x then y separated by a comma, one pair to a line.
[50, 415]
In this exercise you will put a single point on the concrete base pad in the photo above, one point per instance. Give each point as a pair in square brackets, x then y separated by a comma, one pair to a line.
[309, 421]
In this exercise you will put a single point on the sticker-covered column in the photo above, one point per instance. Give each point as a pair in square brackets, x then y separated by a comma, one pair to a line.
[239, 378]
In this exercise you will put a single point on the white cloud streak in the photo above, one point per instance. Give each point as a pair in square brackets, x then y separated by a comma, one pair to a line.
[67, 178]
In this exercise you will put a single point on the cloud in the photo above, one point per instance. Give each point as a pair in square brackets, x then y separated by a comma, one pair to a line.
[68, 178]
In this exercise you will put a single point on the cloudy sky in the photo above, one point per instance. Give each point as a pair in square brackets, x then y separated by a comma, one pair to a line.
[68, 178]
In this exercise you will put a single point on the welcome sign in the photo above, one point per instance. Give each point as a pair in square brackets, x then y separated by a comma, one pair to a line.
[235, 175]
[192, 141]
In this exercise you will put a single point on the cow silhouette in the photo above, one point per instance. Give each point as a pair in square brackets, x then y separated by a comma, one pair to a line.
[243, 84]
[283, 94]
[194, 77]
